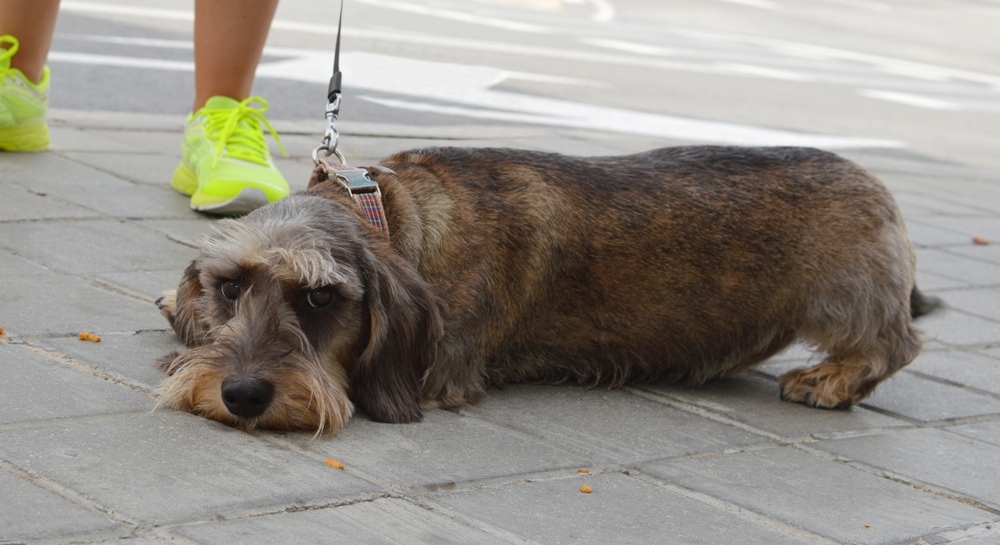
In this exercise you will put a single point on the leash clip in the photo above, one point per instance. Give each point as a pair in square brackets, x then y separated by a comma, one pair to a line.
[331, 137]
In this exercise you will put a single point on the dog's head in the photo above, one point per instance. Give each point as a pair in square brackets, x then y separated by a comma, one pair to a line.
[293, 309]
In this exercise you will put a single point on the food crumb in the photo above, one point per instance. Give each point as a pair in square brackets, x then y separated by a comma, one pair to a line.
[981, 240]
[334, 463]
[585, 488]
[88, 336]
[1, 331]
[583, 470]
[868, 525]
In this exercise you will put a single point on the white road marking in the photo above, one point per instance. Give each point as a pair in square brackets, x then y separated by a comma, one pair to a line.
[467, 93]
[629, 47]
[127, 62]
[604, 11]
[761, 4]
[910, 100]
[460, 16]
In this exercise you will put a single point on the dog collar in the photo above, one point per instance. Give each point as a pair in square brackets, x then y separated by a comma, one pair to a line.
[365, 191]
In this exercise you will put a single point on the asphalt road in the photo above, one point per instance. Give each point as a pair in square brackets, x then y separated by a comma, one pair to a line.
[905, 76]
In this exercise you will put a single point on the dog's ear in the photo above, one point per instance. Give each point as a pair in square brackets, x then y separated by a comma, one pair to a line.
[406, 324]
[184, 317]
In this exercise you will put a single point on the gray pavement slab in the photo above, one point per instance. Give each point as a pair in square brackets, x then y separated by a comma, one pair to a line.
[382, 521]
[964, 466]
[127, 357]
[987, 431]
[955, 328]
[22, 202]
[925, 400]
[823, 496]
[57, 304]
[607, 427]
[946, 262]
[31, 512]
[969, 369]
[150, 468]
[40, 388]
[754, 401]
[441, 451]
[620, 509]
[93, 246]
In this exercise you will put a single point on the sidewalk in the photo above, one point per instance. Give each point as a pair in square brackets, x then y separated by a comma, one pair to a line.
[90, 234]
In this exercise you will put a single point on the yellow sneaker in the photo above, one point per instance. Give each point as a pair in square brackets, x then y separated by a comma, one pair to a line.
[22, 104]
[226, 166]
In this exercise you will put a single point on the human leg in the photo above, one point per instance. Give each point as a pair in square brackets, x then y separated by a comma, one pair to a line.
[226, 166]
[26, 28]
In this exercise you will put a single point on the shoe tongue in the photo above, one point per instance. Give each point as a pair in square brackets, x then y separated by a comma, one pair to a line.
[220, 102]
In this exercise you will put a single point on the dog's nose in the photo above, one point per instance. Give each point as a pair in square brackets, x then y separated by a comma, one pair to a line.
[247, 397]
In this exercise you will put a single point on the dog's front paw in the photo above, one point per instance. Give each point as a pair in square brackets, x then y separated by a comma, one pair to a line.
[168, 305]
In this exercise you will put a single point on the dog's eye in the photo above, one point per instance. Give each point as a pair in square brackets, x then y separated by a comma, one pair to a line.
[319, 298]
[230, 290]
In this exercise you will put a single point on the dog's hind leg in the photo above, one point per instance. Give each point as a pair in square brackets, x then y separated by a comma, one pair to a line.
[849, 374]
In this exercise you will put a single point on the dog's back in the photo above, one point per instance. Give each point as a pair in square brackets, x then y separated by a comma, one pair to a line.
[678, 263]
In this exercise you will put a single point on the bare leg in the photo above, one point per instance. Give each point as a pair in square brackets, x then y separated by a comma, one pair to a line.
[229, 38]
[32, 22]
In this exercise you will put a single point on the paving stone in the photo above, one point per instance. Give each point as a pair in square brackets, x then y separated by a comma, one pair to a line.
[955, 328]
[444, 448]
[606, 426]
[30, 512]
[969, 225]
[97, 190]
[146, 168]
[951, 265]
[58, 304]
[165, 466]
[382, 521]
[19, 203]
[836, 501]
[932, 456]
[186, 231]
[990, 252]
[926, 235]
[755, 401]
[984, 431]
[129, 357]
[11, 264]
[930, 282]
[983, 534]
[924, 205]
[39, 388]
[620, 509]
[147, 285]
[91, 246]
[972, 369]
[981, 302]
[75, 139]
[929, 401]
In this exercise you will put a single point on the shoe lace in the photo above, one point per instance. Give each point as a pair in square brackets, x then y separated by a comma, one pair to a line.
[239, 131]
[6, 53]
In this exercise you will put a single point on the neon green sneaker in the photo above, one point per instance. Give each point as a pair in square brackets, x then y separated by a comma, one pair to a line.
[22, 104]
[226, 166]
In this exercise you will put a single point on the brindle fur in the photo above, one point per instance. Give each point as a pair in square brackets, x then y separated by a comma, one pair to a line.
[503, 266]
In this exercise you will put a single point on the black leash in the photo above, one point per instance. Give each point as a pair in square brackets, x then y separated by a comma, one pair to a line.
[331, 137]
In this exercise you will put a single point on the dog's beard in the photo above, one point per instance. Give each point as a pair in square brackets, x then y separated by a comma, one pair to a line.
[306, 397]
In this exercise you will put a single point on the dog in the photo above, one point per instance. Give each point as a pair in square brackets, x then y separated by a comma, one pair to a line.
[498, 266]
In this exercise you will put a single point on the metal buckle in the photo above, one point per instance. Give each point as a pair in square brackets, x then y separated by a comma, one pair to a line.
[356, 181]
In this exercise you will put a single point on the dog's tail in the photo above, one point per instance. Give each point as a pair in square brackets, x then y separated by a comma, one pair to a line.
[921, 304]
